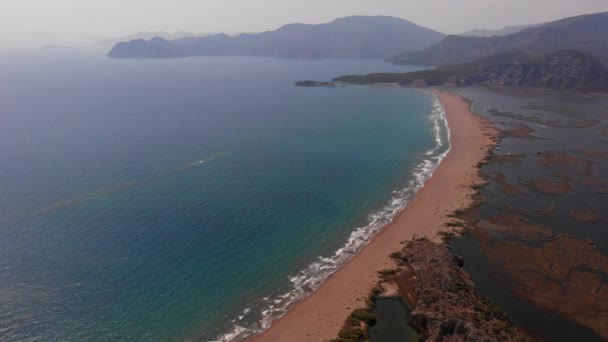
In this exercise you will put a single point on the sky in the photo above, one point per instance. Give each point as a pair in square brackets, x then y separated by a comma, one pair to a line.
[110, 18]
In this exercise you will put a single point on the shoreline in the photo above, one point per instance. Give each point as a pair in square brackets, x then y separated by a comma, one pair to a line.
[320, 316]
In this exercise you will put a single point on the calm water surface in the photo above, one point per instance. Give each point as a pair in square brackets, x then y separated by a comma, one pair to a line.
[187, 198]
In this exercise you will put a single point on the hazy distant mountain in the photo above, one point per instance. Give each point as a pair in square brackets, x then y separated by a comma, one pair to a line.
[561, 70]
[588, 33]
[499, 32]
[355, 37]
[149, 35]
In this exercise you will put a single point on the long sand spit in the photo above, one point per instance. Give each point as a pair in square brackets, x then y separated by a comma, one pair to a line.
[320, 316]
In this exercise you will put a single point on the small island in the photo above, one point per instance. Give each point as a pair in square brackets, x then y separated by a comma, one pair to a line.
[309, 83]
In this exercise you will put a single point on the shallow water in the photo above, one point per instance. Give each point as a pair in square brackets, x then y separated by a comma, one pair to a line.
[562, 122]
[392, 326]
[190, 198]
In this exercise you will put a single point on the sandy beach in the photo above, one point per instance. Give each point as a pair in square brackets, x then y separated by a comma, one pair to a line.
[320, 316]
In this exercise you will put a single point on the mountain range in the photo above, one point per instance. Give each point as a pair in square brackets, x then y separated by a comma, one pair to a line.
[587, 33]
[499, 32]
[350, 37]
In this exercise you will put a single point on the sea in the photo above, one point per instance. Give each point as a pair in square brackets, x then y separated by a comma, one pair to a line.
[192, 199]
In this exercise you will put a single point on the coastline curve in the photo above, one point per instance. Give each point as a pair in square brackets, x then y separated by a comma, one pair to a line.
[312, 277]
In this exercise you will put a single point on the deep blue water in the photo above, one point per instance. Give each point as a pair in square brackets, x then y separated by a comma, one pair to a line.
[163, 199]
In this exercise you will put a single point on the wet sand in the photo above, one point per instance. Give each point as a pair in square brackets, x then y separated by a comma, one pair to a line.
[320, 316]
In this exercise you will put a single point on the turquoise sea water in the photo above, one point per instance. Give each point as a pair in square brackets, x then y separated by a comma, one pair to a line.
[190, 198]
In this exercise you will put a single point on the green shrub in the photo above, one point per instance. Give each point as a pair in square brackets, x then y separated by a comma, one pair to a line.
[396, 255]
[351, 334]
[389, 272]
[376, 291]
[364, 315]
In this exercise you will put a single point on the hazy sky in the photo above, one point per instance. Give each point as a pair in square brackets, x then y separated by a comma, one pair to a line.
[117, 17]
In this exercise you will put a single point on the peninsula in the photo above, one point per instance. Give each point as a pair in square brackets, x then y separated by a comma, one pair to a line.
[561, 70]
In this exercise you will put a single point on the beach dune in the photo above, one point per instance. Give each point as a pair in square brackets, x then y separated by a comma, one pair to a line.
[320, 316]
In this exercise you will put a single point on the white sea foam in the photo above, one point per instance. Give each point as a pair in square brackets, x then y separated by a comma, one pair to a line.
[310, 278]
